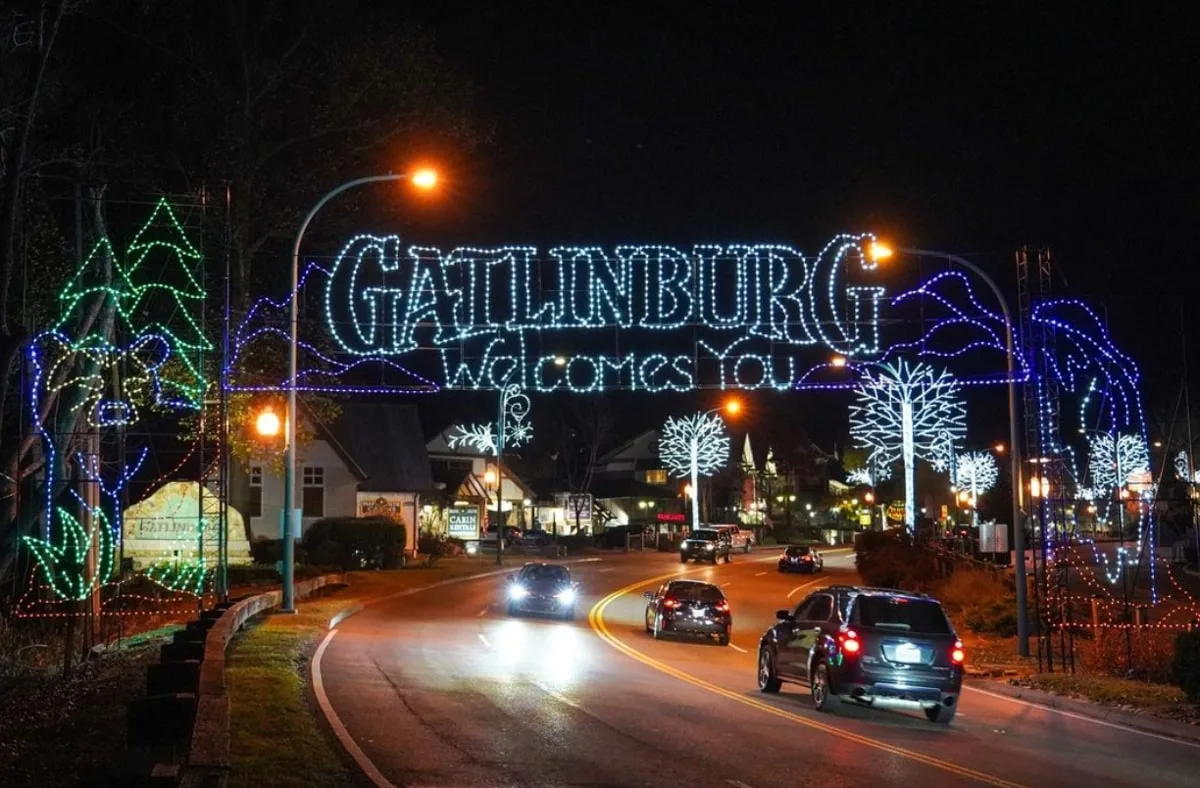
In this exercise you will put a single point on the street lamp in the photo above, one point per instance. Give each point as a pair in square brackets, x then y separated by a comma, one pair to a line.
[880, 252]
[422, 179]
[267, 424]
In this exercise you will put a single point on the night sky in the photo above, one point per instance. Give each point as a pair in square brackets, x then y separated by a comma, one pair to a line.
[957, 131]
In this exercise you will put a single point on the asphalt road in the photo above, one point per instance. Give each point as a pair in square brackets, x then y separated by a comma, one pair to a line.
[441, 688]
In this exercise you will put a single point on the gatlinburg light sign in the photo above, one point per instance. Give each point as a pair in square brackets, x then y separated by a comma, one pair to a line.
[644, 318]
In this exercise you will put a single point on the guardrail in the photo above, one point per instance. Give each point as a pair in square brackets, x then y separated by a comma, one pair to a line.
[179, 733]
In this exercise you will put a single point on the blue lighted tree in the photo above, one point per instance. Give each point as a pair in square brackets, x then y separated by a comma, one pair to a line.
[905, 412]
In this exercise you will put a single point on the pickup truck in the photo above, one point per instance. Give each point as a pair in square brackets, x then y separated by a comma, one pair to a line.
[740, 538]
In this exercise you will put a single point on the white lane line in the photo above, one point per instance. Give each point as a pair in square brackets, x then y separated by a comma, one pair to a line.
[738, 648]
[727, 585]
[607, 569]
[484, 640]
[1081, 717]
[737, 784]
[373, 774]
[792, 593]
[483, 612]
[759, 574]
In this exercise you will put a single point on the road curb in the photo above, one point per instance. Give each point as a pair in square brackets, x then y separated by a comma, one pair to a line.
[1095, 711]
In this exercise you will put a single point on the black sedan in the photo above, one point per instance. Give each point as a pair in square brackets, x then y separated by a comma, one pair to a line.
[542, 588]
[690, 607]
[801, 558]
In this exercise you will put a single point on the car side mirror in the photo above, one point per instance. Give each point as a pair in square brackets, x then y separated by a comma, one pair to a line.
[783, 615]
[649, 595]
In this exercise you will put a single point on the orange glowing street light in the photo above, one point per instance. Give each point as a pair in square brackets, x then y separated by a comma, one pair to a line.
[999, 448]
[733, 407]
[424, 178]
[879, 251]
[838, 362]
[268, 423]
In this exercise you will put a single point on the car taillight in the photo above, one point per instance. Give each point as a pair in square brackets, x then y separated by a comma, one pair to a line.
[808, 558]
[670, 602]
[850, 642]
[958, 656]
[722, 606]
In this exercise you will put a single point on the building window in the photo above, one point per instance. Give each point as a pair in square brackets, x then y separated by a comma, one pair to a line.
[254, 504]
[313, 502]
[655, 477]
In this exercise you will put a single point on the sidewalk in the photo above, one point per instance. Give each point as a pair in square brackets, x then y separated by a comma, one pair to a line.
[1146, 722]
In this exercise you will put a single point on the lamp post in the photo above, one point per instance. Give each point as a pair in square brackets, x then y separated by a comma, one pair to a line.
[1014, 436]
[424, 179]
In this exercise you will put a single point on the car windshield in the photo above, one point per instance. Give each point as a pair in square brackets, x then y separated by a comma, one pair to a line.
[794, 550]
[700, 592]
[708, 536]
[901, 614]
[546, 574]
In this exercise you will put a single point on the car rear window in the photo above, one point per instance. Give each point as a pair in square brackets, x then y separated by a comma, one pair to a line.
[901, 614]
[701, 593]
[798, 550]
[708, 535]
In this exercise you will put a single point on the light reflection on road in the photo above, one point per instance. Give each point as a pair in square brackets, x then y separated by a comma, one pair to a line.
[551, 652]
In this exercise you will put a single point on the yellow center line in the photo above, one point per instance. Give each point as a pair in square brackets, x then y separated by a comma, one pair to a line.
[596, 622]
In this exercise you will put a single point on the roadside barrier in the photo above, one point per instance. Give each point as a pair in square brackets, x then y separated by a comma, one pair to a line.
[178, 735]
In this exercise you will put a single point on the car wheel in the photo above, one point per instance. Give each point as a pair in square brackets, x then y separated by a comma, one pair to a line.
[659, 629]
[511, 609]
[822, 690]
[729, 557]
[746, 547]
[569, 614]
[941, 714]
[723, 638]
[649, 622]
[683, 559]
[768, 681]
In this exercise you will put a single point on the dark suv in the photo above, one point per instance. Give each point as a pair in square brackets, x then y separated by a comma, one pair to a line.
[872, 646]
[688, 607]
[705, 544]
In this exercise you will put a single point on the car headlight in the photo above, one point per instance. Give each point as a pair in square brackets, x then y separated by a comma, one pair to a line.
[709, 546]
[518, 591]
[566, 596]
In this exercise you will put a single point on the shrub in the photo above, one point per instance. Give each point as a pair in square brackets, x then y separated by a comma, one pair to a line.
[1185, 666]
[1138, 653]
[270, 551]
[889, 559]
[356, 543]
[982, 601]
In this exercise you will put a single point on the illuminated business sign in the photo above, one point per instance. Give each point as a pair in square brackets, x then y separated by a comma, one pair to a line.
[645, 318]
[462, 522]
[672, 517]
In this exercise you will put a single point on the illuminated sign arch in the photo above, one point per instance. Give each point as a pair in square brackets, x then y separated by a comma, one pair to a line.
[644, 318]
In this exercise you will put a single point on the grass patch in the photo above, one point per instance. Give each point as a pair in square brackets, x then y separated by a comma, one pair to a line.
[1109, 690]
[274, 728]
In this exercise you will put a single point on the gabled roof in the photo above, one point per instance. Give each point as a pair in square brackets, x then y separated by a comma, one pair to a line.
[381, 443]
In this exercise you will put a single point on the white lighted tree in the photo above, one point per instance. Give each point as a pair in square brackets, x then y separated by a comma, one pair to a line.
[694, 446]
[1115, 462]
[975, 472]
[905, 412]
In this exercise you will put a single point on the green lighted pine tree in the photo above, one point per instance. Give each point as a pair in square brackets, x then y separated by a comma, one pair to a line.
[165, 299]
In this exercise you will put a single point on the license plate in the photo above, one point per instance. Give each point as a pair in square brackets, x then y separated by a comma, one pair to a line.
[697, 614]
[907, 652]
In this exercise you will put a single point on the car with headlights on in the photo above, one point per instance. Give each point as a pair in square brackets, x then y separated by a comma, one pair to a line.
[689, 607]
[705, 544]
[866, 646]
[542, 588]
[801, 558]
